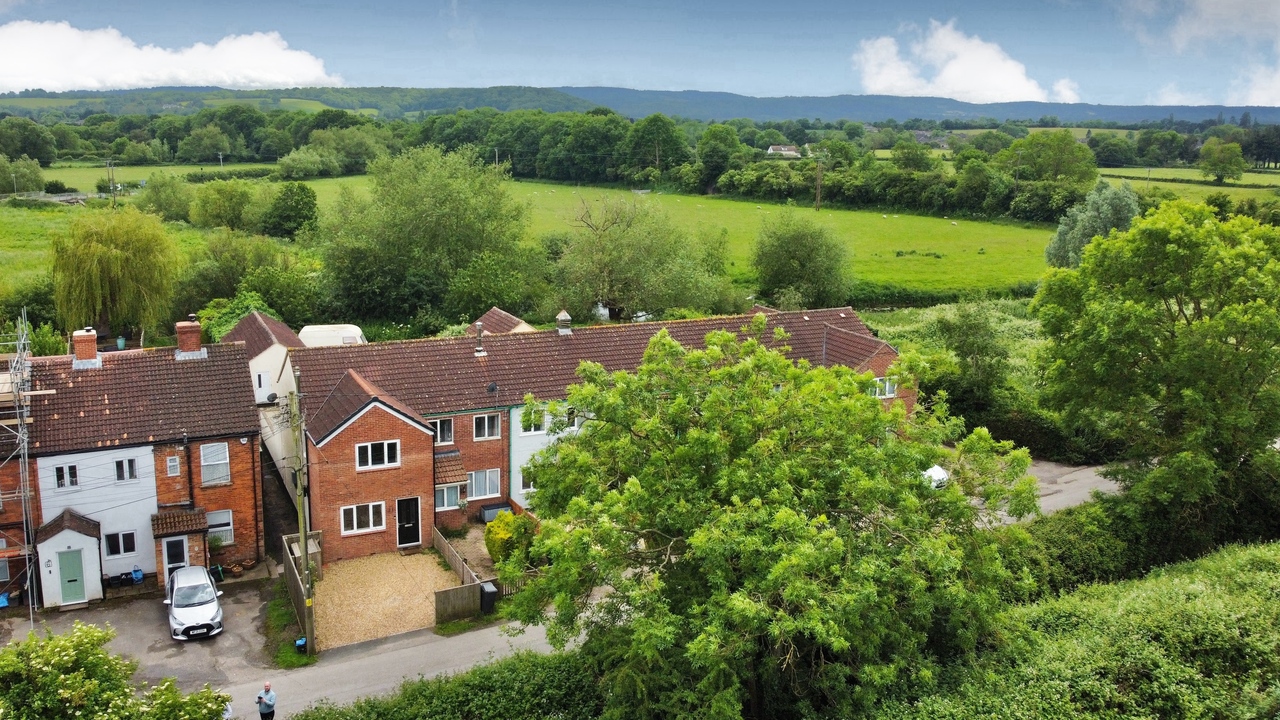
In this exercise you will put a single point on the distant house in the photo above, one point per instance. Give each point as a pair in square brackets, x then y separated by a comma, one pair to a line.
[402, 436]
[785, 151]
[138, 458]
[498, 322]
[267, 342]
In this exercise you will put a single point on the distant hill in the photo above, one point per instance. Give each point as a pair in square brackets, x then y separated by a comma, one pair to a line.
[869, 108]
[398, 102]
[388, 102]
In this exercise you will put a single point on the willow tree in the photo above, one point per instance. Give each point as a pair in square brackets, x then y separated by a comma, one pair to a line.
[114, 269]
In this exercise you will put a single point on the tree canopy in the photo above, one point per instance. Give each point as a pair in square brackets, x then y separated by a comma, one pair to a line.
[1104, 209]
[1053, 156]
[768, 543]
[794, 253]
[114, 268]
[1222, 160]
[1168, 336]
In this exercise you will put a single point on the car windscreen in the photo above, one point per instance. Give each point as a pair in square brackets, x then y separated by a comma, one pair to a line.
[192, 595]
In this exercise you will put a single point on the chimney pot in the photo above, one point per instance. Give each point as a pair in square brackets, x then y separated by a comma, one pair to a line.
[188, 335]
[480, 339]
[564, 323]
[85, 344]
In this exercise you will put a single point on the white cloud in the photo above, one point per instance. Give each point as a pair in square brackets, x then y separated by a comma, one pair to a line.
[56, 56]
[1066, 90]
[1171, 95]
[1218, 19]
[964, 67]
[1260, 85]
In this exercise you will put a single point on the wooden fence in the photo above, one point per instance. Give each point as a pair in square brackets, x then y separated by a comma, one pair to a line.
[302, 606]
[466, 575]
[457, 603]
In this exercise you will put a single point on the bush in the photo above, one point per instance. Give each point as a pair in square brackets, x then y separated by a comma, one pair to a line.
[506, 534]
[57, 187]
[203, 176]
[525, 685]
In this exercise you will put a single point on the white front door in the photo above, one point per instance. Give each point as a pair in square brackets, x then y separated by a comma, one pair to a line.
[175, 555]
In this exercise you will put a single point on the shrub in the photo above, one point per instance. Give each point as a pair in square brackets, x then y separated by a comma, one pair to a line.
[203, 176]
[506, 534]
[57, 187]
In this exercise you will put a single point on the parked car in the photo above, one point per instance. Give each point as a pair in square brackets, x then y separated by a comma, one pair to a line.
[194, 610]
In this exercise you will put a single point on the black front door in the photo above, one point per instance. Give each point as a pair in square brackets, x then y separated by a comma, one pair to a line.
[408, 531]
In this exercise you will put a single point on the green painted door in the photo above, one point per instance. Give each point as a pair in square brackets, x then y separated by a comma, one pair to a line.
[71, 570]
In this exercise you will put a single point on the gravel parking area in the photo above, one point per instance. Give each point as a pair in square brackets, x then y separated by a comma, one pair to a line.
[378, 596]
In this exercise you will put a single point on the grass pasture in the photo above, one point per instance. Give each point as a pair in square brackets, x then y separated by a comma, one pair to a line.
[1193, 174]
[83, 176]
[38, 103]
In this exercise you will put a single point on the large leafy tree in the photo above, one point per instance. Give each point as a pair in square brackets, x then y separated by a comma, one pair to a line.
[655, 142]
[630, 258]
[55, 677]
[1052, 156]
[731, 534]
[718, 150]
[1168, 335]
[1222, 160]
[20, 136]
[429, 214]
[797, 256]
[1104, 209]
[114, 268]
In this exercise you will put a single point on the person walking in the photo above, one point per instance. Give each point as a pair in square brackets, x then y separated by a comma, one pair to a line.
[267, 702]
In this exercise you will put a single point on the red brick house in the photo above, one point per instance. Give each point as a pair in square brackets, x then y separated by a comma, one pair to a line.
[156, 448]
[470, 391]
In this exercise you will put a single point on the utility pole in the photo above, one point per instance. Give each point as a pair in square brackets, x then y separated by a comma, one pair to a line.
[299, 485]
[817, 205]
[495, 158]
[219, 160]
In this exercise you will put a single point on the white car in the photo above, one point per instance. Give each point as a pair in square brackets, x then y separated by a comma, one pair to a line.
[194, 610]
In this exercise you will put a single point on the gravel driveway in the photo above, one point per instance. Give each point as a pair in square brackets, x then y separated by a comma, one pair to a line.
[378, 596]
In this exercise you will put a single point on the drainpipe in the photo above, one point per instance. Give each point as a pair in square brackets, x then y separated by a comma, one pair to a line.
[257, 489]
[191, 483]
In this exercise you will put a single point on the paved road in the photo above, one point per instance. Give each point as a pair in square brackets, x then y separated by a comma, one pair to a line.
[1063, 486]
[376, 668]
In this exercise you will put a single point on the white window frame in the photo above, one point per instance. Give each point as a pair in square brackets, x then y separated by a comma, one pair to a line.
[66, 477]
[540, 428]
[355, 518]
[106, 544]
[436, 433]
[226, 531]
[173, 466]
[126, 470]
[386, 446]
[457, 492]
[206, 466]
[884, 388]
[478, 419]
[491, 476]
[525, 485]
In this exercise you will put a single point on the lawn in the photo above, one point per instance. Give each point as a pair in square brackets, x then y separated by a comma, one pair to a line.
[1196, 193]
[82, 176]
[1250, 178]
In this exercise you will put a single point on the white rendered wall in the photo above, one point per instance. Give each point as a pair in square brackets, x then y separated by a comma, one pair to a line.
[51, 578]
[117, 506]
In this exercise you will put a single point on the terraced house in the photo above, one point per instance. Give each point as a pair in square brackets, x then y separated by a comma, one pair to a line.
[404, 436]
[139, 459]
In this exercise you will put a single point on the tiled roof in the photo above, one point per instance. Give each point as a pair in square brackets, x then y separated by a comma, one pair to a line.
[168, 523]
[68, 520]
[259, 332]
[850, 349]
[449, 467]
[496, 322]
[348, 397]
[445, 375]
[139, 397]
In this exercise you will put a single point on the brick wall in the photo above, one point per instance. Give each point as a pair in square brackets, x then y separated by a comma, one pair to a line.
[880, 364]
[336, 483]
[242, 496]
[196, 556]
[480, 455]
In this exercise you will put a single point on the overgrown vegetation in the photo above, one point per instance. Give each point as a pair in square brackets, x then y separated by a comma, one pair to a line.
[281, 630]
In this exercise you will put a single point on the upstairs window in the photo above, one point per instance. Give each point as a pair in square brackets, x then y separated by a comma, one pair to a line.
[172, 466]
[215, 464]
[126, 470]
[66, 476]
[442, 428]
[374, 455]
[538, 424]
[884, 388]
[488, 427]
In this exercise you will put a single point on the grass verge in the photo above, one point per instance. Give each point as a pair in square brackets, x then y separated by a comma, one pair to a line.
[282, 630]
[457, 627]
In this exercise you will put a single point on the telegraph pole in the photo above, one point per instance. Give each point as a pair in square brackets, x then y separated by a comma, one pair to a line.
[299, 485]
[817, 205]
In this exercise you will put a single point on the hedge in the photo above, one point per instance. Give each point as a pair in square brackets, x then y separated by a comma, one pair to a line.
[204, 176]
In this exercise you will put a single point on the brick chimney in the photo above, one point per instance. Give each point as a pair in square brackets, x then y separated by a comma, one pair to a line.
[189, 335]
[85, 344]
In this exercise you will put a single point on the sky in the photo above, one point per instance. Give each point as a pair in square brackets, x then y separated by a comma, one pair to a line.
[1124, 52]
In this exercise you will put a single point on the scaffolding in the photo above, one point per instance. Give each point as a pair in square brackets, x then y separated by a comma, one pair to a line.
[15, 426]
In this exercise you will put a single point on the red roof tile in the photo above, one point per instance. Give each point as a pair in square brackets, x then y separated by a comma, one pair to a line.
[68, 520]
[259, 332]
[496, 322]
[139, 397]
[351, 395]
[446, 376]
[449, 468]
[168, 523]
[850, 349]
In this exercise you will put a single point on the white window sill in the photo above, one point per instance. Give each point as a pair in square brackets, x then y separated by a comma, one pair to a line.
[224, 483]
[119, 557]
[533, 432]
[446, 442]
[375, 468]
[349, 533]
[446, 509]
[484, 439]
[483, 497]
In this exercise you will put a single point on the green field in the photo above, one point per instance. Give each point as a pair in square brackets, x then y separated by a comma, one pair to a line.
[37, 103]
[26, 236]
[82, 176]
[1196, 193]
[1250, 178]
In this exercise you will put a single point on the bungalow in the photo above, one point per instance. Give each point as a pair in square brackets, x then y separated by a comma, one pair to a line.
[140, 460]
[785, 151]
[402, 436]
